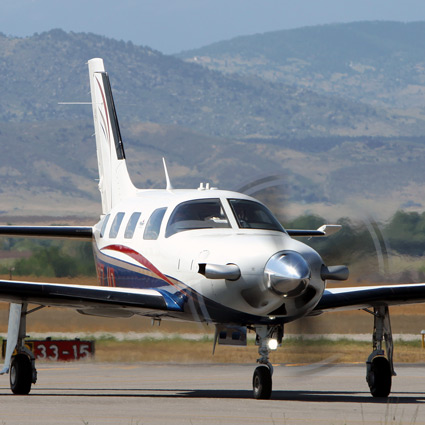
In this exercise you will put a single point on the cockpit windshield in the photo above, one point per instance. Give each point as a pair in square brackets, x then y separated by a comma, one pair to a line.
[198, 214]
[252, 215]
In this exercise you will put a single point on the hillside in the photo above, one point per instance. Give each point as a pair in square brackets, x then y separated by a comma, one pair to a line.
[380, 63]
[332, 156]
[40, 71]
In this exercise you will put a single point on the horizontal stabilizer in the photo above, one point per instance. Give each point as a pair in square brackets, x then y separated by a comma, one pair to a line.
[325, 230]
[72, 232]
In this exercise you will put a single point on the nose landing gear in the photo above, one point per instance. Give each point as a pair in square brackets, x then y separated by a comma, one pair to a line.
[262, 382]
[262, 379]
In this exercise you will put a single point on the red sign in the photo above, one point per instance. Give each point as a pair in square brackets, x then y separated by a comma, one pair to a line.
[58, 350]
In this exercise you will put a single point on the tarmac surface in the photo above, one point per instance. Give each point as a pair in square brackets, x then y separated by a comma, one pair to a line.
[146, 393]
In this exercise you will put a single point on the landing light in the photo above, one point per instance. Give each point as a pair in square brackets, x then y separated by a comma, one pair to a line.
[272, 344]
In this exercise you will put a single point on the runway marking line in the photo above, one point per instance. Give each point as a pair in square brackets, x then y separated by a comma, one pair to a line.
[56, 368]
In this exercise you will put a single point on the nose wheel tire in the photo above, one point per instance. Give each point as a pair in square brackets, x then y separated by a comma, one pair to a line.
[20, 375]
[262, 383]
[379, 377]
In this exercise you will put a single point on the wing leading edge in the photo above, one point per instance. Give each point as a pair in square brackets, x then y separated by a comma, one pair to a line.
[99, 300]
[355, 298]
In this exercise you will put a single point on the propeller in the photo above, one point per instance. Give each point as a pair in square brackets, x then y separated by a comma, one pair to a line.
[289, 274]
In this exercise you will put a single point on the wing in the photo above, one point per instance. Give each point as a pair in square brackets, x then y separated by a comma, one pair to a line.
[355, 298]
[97, 300]
[73, 232]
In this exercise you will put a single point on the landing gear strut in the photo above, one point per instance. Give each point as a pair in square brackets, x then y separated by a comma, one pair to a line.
[262, 379]
[22, 365]
[380, 369]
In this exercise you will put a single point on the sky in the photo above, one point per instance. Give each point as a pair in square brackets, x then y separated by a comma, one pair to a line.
[171, 26]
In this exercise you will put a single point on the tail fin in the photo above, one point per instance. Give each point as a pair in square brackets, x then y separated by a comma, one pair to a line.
[114, 184]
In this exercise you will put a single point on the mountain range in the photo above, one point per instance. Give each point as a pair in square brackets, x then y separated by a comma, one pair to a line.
[303, 106]
[378, 63]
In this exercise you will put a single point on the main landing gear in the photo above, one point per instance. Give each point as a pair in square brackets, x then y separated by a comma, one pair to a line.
[267, 339]
[21, 374]
[380, 369]
[22, 371]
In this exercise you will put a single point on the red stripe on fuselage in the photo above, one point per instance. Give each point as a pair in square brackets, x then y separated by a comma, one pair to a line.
[142, 260]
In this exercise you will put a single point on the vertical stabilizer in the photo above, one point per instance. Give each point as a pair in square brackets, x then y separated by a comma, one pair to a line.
[114, 181]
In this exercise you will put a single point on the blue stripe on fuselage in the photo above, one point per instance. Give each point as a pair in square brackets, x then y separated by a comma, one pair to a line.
[121, 276]
[113, 275]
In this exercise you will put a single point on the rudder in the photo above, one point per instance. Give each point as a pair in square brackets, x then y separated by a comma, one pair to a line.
[114, 181]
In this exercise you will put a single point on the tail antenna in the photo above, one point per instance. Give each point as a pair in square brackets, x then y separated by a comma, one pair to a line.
[167, 177]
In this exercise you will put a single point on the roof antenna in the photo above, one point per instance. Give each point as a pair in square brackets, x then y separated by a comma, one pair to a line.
[167, 177]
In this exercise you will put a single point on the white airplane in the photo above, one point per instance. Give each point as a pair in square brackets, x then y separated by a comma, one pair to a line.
[202, 254]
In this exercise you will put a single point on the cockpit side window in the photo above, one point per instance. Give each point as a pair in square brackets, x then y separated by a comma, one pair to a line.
[104, 224]
[197, 214]
[115, 227]
[153, 225]
[253, 215]
[131, 225]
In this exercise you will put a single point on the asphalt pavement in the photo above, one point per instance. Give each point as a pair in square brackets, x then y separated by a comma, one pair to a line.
[146, 393]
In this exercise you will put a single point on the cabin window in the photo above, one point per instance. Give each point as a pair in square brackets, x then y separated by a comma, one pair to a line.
[131, 225]
[153, 225]
[104, 224]
[115, 227]
[253, 215]
[198, 214]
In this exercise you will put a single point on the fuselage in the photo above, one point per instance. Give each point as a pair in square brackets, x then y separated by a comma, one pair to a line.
[166, 239]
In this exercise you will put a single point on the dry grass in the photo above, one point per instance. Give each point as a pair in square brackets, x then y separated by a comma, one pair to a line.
[292, 352]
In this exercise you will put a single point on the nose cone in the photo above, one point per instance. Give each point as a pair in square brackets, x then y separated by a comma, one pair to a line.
[287, 274]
